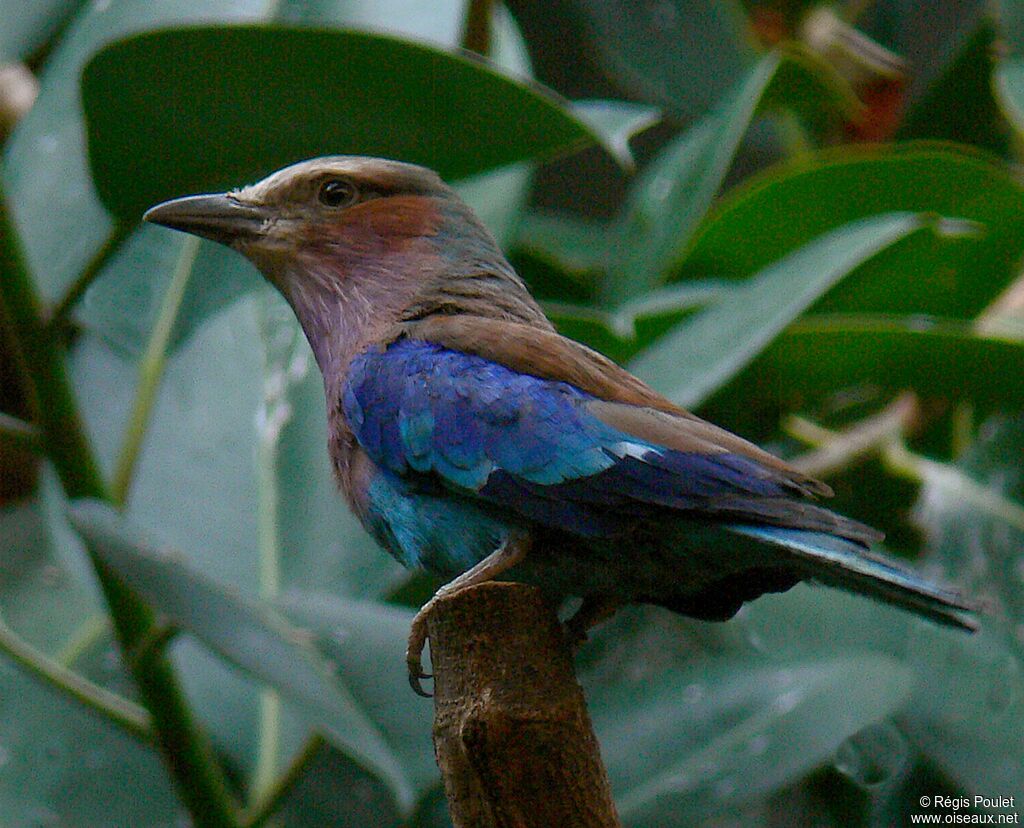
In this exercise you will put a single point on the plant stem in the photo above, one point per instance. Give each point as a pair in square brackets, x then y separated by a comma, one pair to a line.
[87, 635]
[77, 288]
[19, 433]
[835, 451]
[151, 370]
[199, 779]
[125, 714]
[273, 416]
[476, 32]
[46, 383]
[264, 808]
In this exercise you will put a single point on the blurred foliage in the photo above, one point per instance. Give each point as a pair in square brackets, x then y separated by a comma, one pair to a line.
[762, 263]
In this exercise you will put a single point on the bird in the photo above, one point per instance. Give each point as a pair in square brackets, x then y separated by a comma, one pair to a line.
[473, 440]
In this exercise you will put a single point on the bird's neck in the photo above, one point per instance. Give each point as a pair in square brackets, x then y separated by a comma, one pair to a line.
[344, 307]
[347, 303]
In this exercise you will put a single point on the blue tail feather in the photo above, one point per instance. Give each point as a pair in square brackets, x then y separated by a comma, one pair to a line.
[849, 565]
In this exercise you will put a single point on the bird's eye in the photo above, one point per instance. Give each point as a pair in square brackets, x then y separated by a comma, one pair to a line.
[336, 192]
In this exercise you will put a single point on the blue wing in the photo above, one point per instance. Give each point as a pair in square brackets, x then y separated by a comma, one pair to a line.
[550, 453]
[540, 447]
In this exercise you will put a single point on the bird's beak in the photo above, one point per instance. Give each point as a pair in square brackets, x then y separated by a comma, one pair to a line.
[220, 217]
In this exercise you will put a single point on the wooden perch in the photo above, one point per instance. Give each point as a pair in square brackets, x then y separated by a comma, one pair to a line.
[511, 732]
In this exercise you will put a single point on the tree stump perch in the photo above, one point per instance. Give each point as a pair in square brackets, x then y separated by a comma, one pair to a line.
[512, 735]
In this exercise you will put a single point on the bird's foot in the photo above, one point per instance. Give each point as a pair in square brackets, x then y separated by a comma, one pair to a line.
[593, 610]
[414, 649]
[504, 557]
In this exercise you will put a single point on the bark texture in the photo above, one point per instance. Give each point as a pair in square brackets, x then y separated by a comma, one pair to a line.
[512, 735]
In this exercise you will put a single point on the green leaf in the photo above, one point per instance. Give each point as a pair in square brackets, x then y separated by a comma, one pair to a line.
[27, 26]
[966, 714]
[956, 276]
[708, 737]
[200, 480]
[960, 105]
[682, 54]
[45, 161]
[367, 640]
[234, 464]
[1009, 75]
[46, 176]
[670, 198]
[978, 504]
[257, 110]
[669, 303]
[945, 360]
[573, 245]
[702, 354]
[497, 197]
[334, 792]
[250, 636]
[58, 757]
[123, 303]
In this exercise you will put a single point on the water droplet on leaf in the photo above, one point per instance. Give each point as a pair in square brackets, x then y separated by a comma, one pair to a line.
[874, 756]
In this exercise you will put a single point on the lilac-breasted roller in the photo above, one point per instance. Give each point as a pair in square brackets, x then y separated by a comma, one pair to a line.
[473, 440]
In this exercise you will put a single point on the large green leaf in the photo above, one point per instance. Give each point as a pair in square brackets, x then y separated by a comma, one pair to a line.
[246, 96]
[668, 201]
[61, 763]
[703, 353]
[248, 635]
[46, 177]
[681, 54]
[234, 473]
[367, 641]
[822, 354]
[690, 728]
[956, 276]
[123, 303]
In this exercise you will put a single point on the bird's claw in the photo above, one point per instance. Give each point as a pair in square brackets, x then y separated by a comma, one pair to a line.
[414, 652]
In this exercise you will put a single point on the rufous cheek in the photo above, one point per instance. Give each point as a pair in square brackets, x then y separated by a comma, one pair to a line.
[380, 226]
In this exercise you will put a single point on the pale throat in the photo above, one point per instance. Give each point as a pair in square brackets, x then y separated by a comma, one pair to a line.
[343, 307]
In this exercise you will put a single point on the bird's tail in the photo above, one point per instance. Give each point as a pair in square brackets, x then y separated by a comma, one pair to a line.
[848, 565]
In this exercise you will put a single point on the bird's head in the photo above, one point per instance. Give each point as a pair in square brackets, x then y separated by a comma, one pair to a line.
[358, 244]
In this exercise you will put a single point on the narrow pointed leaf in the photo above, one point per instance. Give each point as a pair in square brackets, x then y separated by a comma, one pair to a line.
[956, 276]
[703, 353]
[670, 199]
[250, 636]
